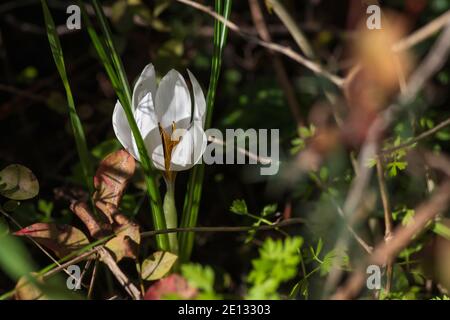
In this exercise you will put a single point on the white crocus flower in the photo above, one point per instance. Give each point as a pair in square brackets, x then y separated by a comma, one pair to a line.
[172, 130]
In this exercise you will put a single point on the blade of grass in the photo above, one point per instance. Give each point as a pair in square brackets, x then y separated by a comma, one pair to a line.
[114, 68]
[194, 189]
[77, 128]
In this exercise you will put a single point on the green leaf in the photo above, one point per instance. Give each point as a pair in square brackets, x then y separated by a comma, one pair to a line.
[408, 217]
[18, 183]
[277, 260]
[269, 210]
[194, 189]
[239, 207]
[334, 258]
[14, 257]
[443, 135]
[198, 276]
[4, 228]
[157, 265]
[101, 150]
[77, 128]
[319, 247]
[442, 230]
[11, 205]
[113, 65]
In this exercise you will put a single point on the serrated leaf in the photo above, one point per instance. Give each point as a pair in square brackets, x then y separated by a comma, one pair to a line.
[157, 265]
[61, 239]
[18, 183]
[334, 258]
[200, 277]
[239, 207]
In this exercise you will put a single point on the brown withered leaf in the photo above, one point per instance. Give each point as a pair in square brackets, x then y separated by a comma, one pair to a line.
[97, 229]
[25, 290]
[157, 265]
[171, 285]
[18, 183]
[112, 177]
[128, 237]
[61, 239]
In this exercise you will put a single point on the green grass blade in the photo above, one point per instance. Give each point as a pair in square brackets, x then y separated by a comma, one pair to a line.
[77, 128]
[113, 65]
[194, 189]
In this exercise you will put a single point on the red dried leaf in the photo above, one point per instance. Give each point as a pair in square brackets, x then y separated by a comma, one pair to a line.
[61, 239]
[173, 284]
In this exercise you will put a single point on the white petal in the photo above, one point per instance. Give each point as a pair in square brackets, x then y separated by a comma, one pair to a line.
[145, 115]
[148, 126]
[158, 158]
[122, 129]
[173, 102]
[145, 84]
[190, 149]
[199, 100]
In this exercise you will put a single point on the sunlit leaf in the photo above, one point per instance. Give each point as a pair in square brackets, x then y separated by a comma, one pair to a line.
[239, 207]
[126, 242]
[18, 183]
[112, 177]
[61, 239]
[157, 265]
[25, 290]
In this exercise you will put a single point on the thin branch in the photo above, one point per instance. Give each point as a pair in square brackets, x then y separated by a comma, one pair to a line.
[63, 266]
[284, 223]
[251, 155]
[129, 287]
[429, 66]
[315, 67]
[423, 33]
[388, 222]
[294, 30]
[278, 66]
[432, 63]
[401, 238]
[93, 277]
[420, 137]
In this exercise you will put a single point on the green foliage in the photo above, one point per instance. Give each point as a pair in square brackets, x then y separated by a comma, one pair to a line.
[277, 263]
[304, 133]
[77, 127]
[195, 184]
[239, 207]
[201, 278]
[404, 215]
[113, 65]
[444, 297]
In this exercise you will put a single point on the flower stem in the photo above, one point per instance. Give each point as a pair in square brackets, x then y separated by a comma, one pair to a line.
[170, 213]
